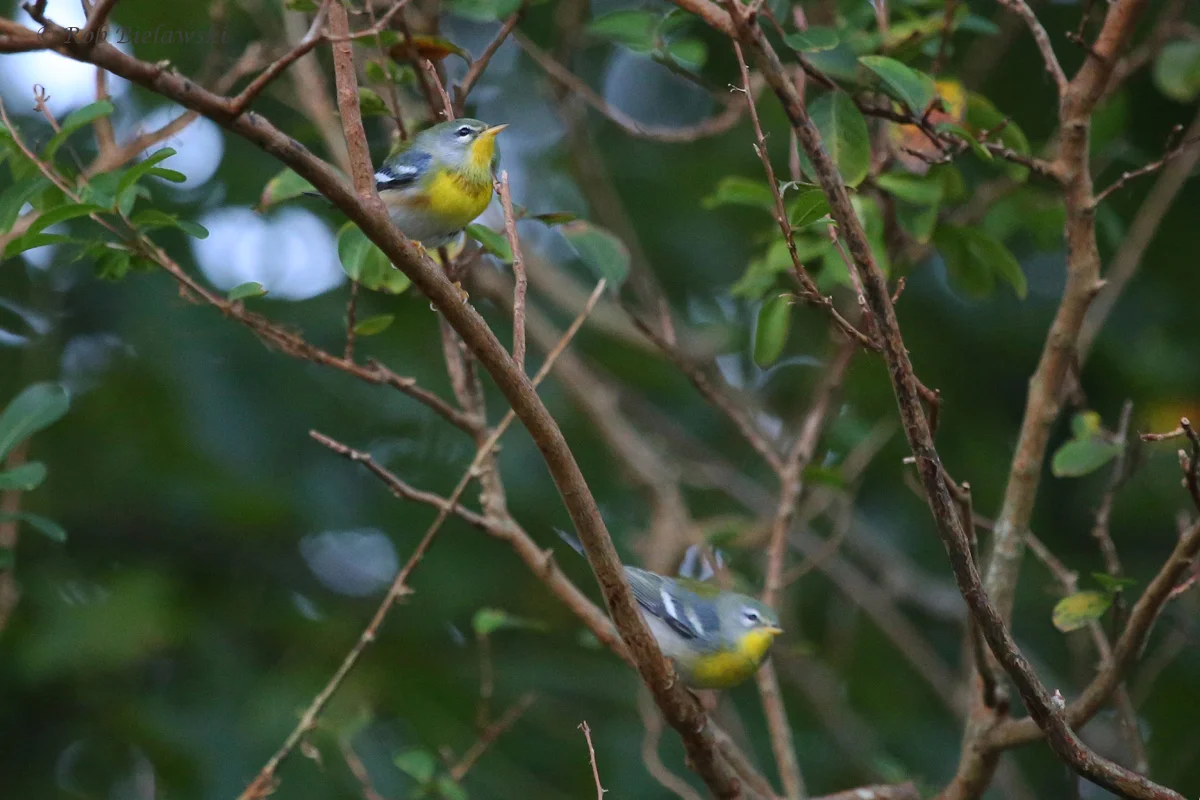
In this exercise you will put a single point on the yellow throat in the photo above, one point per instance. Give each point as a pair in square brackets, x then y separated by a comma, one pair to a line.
[731, 667]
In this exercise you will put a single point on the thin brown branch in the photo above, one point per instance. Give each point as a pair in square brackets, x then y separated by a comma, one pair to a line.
[475, 71]
[652, 725]
[358, 769]
[791, 483]
[351, 317]
[709, 391]
[392, 90]
[430, 69]
[1172, 153]
[314, 37]
[1193, 462]
[587, 732]
[97, 19]
[714, 126]
[491, 734]
[521, 283]
[1022, 9]
[809, 290]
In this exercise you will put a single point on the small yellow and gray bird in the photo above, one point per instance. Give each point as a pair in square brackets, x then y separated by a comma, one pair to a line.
[716, 639]
[441, 181]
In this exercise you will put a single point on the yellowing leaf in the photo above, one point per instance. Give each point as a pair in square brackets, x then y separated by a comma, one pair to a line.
[1072, 613]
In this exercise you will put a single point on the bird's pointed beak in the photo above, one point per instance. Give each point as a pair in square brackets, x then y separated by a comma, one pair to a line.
[774, 631]
[494, 129]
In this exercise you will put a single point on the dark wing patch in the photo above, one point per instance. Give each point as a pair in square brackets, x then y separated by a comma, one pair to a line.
[402, 170]
[648, 590]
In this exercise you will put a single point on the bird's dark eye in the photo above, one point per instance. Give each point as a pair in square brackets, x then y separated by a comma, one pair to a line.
[464, 131]
[751, 616]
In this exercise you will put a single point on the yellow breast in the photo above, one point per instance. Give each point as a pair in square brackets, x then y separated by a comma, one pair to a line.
[729, 668]
[457, 199]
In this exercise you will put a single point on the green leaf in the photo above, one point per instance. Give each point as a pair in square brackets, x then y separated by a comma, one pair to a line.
[484, 10]
[771, 332]
[1113, 584]
[47, 527]
[283, 186]
[690, 53]
[913, 88]
[62, 214]
[101, 190]
[844, 134]
[734, 190]
[982, 115]
[371, 104]
[493, 242]
[373, 325]
[807, 207]
[814, 40]
[1080, 456]
[113, 264]
[418, 764]
[143, 168]
[1177, 71]
[633, 28]
[554, 218]
[28, 241]
[1073, 612]
[974, 258]
[489, 620]
[600, 251]
[449, 789]
[73, 122]
[152, 218]
[366, 263]
[174, 176]
[16, 196]
[24, 478]
[911, 188]
[245, 290]
[39, 405]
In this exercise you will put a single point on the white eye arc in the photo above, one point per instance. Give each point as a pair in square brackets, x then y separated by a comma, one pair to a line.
[463, 132]
[750, 617]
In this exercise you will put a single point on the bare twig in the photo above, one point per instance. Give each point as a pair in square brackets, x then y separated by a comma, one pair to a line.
[351, 315]
[97, 19]
[430, 69]
[521, 283]
[587, 733]
[1172, 153]
[311, 39]
[652, 724]
[1022, 9]
[358, 769]
[475, 71]
[809, 290]
[722, 122]
[491, 734]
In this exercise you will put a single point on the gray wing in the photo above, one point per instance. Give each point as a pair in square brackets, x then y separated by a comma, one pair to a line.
[402, 169]
[654, 595]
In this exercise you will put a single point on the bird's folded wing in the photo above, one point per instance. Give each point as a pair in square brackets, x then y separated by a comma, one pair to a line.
[654, 594]
[402, 170]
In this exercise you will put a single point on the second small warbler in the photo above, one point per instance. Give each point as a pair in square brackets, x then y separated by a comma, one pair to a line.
[716, 639]
[442, 181]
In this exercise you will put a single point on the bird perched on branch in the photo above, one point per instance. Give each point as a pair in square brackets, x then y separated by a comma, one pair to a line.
[716, 639]
[442, 181]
